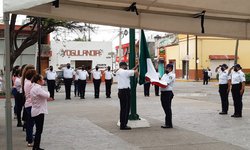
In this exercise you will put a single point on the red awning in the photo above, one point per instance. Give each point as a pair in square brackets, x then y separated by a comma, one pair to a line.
[221, 57]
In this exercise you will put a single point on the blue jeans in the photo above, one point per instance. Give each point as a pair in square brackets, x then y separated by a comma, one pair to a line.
[29, 125]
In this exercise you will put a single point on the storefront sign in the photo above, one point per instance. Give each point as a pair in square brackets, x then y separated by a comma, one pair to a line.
[83, 52]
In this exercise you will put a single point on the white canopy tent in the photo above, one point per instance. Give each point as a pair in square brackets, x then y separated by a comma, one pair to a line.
[227, 18]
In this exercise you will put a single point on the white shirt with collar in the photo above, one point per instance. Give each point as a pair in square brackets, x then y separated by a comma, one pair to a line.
[108, 75]
[169, 79]
[39, 100]
[237, 77]
[51, 75]
[96, 74]
[123, 78]
[68, 73]
[76, 75]
[83, 74]
[223, 76]
[18, 84]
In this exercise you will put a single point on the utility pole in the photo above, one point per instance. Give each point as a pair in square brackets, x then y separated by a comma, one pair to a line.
[187, 61]
[236, 52]
[39, 45]
[196, 58]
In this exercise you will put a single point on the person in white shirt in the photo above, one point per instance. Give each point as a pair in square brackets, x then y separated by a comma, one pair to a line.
[223, 87]
[68, 74]
[237, 80]
[83, 75]
[209, 72]
[123, 82]
[167, 95]
[76, 83]
[97, 74]
[19, 101]
[108, 81]
[51, 81]
[39, 98]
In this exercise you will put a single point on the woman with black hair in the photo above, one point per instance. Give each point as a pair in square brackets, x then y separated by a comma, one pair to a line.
[39, 98]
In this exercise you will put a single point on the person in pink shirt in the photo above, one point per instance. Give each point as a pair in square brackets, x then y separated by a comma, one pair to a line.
[39, 98]
[28, 105]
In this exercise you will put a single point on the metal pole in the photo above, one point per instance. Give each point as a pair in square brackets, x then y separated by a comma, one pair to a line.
[120, 44]
[196, 58]
[133, 80]
[187, 64]
[8, 113]
[236, 52]
[39, 45]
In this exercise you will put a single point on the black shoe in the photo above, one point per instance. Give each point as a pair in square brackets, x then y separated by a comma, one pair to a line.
[157, 95]
[236, 116]
[19, 125]
[67, 98]
[166, 126]
[223, 113]
[37, 148]
[82, 98]
[125, 128]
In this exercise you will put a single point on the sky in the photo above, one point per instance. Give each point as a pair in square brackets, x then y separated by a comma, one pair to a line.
[102, 33]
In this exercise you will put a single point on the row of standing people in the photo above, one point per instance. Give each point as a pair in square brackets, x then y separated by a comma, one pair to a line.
[80, 77]
[32, 99]
[234, 80]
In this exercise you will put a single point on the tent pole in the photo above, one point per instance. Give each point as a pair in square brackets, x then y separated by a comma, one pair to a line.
[7, 83]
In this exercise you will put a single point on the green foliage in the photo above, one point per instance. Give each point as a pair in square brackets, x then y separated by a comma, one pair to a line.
[248, 78]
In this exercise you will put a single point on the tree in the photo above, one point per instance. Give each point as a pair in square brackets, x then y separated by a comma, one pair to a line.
[47, 26]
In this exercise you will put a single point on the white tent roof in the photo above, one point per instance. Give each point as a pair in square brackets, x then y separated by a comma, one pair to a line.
[228, 18]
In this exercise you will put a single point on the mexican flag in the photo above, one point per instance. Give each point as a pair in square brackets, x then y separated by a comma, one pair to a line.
[147, 69]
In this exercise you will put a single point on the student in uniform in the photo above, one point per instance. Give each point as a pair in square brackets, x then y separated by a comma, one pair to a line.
[237, 80]
[146, 86]
[156, 86]
[83, 75]
[51, 81]
[96, 80]
[68, 74]
[223, 87]
[123, 81]
[108, 81]
[167, 95]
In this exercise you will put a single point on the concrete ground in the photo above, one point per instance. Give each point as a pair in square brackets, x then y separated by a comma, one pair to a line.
[90, 124]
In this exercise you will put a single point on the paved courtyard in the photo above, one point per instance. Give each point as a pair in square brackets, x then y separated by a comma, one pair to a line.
[90, 124]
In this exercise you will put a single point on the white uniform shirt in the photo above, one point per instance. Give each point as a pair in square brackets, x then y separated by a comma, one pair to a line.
[209, 73]
[123, 78]
[83, 74]
[96, 74]
[108, 75]
[18, 85]
[237, 77]
[39, 100]
[51, 75]
[169, 79]
[68, 73]
[223, 77]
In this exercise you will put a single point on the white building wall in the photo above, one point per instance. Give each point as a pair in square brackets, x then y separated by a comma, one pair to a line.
[71, 51]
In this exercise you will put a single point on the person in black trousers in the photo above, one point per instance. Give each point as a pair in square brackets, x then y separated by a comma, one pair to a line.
[83, 75]
[108, 81]
[123, 81]
[97, 80]
[51, 81]
[167, 95]
[68, 75]
[156, 86]
[205, 77]
[237, 80]
[223, 87]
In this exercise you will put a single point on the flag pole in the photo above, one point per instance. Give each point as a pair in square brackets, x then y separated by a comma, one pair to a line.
[133, 80]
